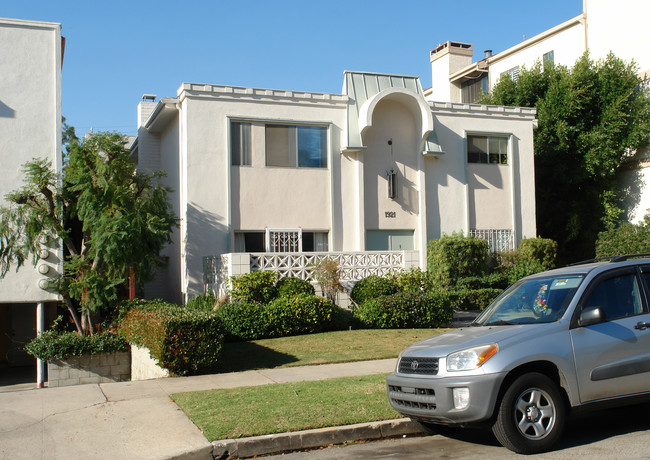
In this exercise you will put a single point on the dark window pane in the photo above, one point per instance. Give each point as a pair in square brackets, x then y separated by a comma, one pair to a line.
[312, 147]
[254, 242]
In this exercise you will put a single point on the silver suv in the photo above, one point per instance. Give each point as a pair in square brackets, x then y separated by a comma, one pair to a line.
[550, 343]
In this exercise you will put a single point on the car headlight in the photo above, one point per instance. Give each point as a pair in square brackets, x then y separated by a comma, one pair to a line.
[470, 358]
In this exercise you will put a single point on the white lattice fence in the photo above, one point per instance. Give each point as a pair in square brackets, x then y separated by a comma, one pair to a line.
[353, 265]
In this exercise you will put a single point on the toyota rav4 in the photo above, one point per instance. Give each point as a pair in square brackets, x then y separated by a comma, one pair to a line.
[550, 343]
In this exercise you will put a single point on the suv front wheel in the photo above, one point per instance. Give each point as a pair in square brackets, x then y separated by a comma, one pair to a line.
[531, 415]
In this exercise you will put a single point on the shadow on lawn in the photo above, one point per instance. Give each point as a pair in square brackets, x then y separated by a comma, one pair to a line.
[246, 356]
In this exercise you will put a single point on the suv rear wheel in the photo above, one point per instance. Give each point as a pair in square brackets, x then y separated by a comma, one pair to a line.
[531, 415]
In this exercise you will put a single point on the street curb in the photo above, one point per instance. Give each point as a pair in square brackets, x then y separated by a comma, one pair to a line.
[309, 439]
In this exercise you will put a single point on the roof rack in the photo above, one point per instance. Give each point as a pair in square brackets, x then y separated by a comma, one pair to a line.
[589, 261]
[610, 258]
[629, 256]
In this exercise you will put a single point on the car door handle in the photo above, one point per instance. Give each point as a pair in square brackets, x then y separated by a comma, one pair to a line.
[642, 326]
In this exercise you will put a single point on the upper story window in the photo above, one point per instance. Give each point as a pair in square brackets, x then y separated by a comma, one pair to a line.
[487, 149]
[473, 90]
[296, 146]
[240, 143]
[514, 73]
[548, 57]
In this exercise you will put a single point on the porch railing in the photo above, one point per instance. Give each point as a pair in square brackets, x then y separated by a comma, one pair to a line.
[353, 266]
[498, 240]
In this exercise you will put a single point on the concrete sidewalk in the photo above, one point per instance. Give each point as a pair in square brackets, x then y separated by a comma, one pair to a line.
[138, 420]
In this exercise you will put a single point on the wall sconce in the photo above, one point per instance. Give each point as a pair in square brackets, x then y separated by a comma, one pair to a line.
[392, 184]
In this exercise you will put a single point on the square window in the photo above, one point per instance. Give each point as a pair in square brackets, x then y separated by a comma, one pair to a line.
[487, 149]
[296, 146]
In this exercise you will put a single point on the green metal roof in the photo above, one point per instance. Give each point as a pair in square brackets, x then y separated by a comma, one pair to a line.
[361, 86]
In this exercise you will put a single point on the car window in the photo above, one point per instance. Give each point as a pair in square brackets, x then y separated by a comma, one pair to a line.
[618, 296]
[538, 300]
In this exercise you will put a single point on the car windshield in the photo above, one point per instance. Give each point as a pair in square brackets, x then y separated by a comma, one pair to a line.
[537, 300]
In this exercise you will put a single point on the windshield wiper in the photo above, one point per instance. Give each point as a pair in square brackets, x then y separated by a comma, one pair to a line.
[501, 323]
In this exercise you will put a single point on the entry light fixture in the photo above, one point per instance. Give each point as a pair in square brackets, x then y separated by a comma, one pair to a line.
[392, 184]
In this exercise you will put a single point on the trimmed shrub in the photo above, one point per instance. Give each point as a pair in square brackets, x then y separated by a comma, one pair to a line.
[543, 250]
[183, 340]
[202, 302]
[60, 345]
[405, 310]
[473, 299]
[412, 280]
[291, 287]
[257, 286]
[496, 280]
[303, 314]
[523, 268]
[452, 257]
[625, 239]
[371, 287]
[243, 320]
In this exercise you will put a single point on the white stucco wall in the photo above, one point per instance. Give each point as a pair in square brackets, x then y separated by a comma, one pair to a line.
[348, 198]
[218, 199]
[621, 27]
[395, 122]
[567, 46]
[448, 178]
[30, 126]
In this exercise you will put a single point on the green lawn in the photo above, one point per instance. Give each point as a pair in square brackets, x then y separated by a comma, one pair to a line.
[266, 409]
[276, 408]
[328, 347]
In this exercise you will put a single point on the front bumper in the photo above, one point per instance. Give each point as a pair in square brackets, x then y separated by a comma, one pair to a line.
[430, 399]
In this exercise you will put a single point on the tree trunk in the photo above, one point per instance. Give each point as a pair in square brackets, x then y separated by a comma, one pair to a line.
[73, 313]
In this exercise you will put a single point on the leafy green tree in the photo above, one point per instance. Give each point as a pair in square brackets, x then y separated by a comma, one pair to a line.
[592, 118]
[109, 217]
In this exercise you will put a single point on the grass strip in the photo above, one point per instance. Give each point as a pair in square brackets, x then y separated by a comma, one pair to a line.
[328, 347]
[277, 408]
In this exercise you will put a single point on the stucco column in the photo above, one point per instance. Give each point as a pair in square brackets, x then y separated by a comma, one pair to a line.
[40, 327]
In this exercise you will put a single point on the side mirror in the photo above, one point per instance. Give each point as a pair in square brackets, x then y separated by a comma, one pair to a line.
[591, 315]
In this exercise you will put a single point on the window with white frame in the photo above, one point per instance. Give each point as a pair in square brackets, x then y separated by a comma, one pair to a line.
[514, 73]
[240, 143]
[296, 146]
[487, 149]
[549, 57]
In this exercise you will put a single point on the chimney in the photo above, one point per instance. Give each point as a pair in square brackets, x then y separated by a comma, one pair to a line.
[146, 108]
[488, 53]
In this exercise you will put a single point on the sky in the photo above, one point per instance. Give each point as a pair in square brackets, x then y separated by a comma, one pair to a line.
[118, 50]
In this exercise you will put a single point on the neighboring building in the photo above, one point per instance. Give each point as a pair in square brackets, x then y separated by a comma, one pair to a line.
[376, 168]
[31, 55]
[603, 27]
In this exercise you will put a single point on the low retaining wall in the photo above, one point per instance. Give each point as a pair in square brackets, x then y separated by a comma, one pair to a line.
[143, 366]
[103, 368]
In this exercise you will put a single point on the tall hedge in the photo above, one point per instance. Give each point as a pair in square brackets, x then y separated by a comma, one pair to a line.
[452, 257]
[626, 239]
[283, 316]
[372, 286]
[257, 286]
[543, 250]
[185, 341]
[405, 310]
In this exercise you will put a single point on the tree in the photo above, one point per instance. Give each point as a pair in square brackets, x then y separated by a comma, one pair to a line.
[109, 217]
[592, 118]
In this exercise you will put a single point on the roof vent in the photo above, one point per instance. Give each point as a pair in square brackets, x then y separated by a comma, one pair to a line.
[149, 97]
[488, 53]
